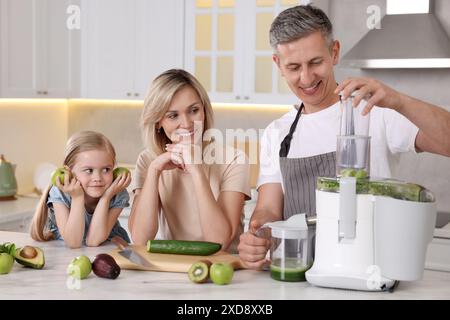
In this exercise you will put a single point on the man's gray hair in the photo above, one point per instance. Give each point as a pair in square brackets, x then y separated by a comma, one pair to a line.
[298, 22]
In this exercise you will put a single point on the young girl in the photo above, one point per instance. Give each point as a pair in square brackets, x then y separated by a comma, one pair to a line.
[85, 208]
[176, 192]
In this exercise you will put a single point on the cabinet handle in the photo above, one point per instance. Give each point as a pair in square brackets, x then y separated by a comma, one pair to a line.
[39, 92]
[238, 97]
[246, 97]
[128, 94]
[45, 92]
[136, 94]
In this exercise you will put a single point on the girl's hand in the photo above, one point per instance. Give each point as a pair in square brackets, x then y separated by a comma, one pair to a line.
[118, 185]
[71, 186]
[190, 154]
[167, 161]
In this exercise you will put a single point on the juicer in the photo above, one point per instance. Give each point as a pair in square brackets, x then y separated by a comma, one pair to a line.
[370, 232]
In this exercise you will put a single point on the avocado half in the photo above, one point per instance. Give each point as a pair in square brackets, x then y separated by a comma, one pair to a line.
[32, 257]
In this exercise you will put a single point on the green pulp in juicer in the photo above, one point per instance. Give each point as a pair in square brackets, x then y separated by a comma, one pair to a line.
[292, 271]
[358, 174]
[384, 187]
[332, 185]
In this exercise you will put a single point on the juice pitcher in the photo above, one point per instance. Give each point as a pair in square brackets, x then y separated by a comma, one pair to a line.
[291, 251]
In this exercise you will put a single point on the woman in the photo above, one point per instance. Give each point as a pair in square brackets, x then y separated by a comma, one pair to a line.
[177, 192]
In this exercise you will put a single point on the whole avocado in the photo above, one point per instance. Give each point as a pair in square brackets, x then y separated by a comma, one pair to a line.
[104, 266]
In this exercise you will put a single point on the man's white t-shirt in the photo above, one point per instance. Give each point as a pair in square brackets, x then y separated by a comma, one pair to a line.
[391, 133]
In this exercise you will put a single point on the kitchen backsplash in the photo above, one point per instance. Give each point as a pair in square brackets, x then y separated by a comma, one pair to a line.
[32, 132]
[35, 131]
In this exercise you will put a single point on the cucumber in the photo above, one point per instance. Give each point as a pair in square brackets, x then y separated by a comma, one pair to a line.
[196, 248]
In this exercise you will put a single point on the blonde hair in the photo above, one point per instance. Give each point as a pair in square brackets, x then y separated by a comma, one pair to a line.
[77, 143]
[157, 102]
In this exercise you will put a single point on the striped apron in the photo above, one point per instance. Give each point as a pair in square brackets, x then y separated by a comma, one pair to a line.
[300, 176]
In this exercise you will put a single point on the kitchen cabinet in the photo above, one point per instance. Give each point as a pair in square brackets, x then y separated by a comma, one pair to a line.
[36, 49]
[227, 48]
[126, 43]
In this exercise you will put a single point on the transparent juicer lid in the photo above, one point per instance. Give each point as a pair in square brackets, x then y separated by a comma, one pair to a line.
[353, 141]
[293, 228]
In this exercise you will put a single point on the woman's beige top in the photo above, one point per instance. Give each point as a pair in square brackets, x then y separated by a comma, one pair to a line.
[226, 169]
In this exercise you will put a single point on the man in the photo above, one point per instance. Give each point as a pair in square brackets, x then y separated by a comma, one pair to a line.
[301, 145]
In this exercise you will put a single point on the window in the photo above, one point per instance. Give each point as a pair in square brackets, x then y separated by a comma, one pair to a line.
[407, 7]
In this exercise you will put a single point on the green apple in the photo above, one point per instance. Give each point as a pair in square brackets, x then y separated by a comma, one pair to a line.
[6, 262]
[118, 171]
[80, 267]
[221, 273]
[59, 174]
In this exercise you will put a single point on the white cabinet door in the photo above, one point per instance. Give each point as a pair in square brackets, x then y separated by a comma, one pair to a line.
[61, 51]
[263, 82]
[35, 48]
[18, 48]
[227, 48]
[214, 47]
[159, 40]
[108, 41]
[127, 43]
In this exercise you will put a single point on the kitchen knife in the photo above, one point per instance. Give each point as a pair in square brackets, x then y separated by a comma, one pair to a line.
[129, 253]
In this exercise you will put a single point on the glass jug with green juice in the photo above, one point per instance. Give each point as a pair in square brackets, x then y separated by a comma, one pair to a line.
[291, 251]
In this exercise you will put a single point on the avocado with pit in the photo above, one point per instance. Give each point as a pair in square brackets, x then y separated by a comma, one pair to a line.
[29, 256]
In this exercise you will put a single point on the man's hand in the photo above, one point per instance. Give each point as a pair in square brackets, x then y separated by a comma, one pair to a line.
[253, 249]
[375, 92]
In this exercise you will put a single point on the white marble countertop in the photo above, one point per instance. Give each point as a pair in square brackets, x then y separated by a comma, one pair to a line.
[23, 206]
[52, 282]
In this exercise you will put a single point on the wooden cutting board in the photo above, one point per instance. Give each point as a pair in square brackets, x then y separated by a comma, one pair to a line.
[173, 262]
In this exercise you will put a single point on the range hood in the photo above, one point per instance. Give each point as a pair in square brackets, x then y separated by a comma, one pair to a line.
[404, 41]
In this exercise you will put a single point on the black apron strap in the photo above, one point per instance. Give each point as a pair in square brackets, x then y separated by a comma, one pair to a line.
[286, 143]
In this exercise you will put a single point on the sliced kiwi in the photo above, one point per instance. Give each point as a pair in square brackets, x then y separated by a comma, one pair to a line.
[199, 271]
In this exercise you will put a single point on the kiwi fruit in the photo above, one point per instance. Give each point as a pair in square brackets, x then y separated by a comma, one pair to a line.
[199, 271]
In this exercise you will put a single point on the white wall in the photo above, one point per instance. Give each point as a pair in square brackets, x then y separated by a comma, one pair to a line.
[31, 133]
[117, 120]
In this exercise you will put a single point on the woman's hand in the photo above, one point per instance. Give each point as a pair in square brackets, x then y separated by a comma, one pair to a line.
[167, 161]
[71, 186]
[375, 92]
[118, 185]
[190, 155]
